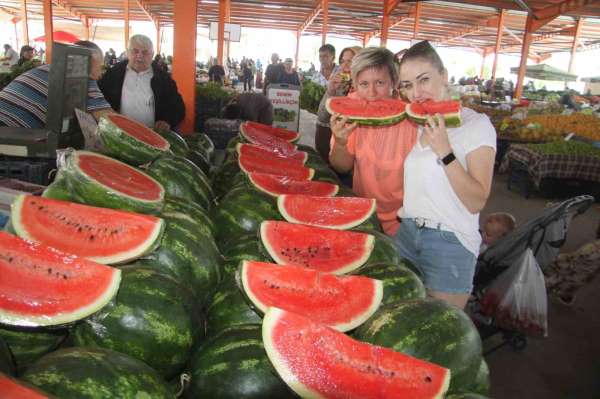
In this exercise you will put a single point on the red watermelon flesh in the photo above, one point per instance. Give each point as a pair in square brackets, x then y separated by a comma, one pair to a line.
[341, 302]
[253, 128]
[325, 250]
[331, 212]
[358, 108]
[252, 163]
[317, 361]
[139, 131]
[276, 185]
[42, 286]
[266, 140]
[11, 389]
[435, 107]
[103, 235]
[258, 151]
[119, 176]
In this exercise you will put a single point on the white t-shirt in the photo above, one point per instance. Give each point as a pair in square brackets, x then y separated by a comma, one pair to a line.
[12, 56]
[427, 190]
[137, 98]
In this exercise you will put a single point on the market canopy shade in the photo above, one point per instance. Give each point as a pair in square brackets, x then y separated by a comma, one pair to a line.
[594, 79]
[59, 36]
[546, 72]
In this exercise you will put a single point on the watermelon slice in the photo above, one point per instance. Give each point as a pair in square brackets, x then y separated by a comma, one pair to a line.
[266, 140]
[331, 212]
[253, 163]
[317, 361]
[13, 389]
[342, 303]
[325, 250]
[129, 140]
[251, 130]
[418, 112]
[276, 185]
[103, 235]
[42, 286]
[258, 151]
[387, 111]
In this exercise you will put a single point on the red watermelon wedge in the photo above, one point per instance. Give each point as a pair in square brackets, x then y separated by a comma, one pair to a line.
[325, 250]
[317, 361]
[258, 151]
[267, 140]
[382, 112]
[103, 235]
[450, 110]
[253, 163]
[12, 389]
[251, 130]
[42, 286]
[330, 212]
[341, 302]
[276, 185]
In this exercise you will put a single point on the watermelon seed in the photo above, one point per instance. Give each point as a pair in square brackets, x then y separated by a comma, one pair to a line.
[79, 229]
[65, 276]
[428, 379]
[92, 237]
[49, 270]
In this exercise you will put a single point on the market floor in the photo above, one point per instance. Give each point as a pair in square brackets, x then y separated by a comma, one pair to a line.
[566, 364]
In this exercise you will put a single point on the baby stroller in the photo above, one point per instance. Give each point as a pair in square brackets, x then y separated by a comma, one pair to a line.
[545, 235]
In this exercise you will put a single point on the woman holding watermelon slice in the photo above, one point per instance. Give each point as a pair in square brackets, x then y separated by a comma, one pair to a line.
[447, 181]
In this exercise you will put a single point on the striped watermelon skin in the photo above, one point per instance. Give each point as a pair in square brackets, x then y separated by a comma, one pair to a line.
[247, 247]
[117, 142]
[193, 210]
[29, 344]
[7, 364]
[431, 330]
[229, 308]
[95, 373]
[234, 365]
[399, 282]
[161, 335]
[178, 145]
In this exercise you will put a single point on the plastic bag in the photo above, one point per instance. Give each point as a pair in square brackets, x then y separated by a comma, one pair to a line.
[517, 300]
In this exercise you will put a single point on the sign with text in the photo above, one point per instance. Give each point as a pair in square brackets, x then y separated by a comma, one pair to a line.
[286, 105]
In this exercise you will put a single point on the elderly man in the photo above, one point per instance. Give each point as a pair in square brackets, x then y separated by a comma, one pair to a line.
[288, 74]
[24, 102]
[140, 91]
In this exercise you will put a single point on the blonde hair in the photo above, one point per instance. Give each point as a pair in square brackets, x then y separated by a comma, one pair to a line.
[377, 58]
[504, 219]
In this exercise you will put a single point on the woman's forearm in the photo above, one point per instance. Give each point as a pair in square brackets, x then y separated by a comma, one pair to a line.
[339, 157]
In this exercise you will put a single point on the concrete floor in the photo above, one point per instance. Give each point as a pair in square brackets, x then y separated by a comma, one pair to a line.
[566, 364]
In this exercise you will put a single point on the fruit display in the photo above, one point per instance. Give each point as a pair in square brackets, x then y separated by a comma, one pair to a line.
[450, 110]
[257, 151]
[258, 164]
[259, 133]
[368, 113]
[561, 147]
[12, 388]
[311, 95]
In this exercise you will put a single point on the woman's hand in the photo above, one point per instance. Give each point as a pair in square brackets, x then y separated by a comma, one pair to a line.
[340, 128]
[334, 84]
[437, 135]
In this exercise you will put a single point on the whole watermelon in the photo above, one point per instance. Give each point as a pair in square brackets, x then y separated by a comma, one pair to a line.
[178, 146]
[247, 247]
[399, 282]
[29, 344]
[228, 308]
[7, 364]
[149, 320]
[193, 210]
[200, 159]
[385, 251]
[431, 330]
[234, 364]
[225, 177]
[96, 373]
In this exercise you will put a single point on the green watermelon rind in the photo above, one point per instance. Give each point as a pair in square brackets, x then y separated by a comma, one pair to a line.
[262, 308]
[334, 187]
[89, 191]
[451, 119]
[118, 143]
[143, 248]
[367, 121]
[346, 226]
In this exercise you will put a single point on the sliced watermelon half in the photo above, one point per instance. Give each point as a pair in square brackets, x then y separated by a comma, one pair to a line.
[331, 212]
[42, 286]
[251, 130]
[13, 389]
[276, 185]
[266, 140]
[325, 250]
[317, 361]
[341, 302]
[253, 163]
[258, 151]
[450, 110]
[103, 235]
[382, 112]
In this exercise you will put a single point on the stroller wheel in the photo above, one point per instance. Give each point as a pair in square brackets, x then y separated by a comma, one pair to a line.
[518, 342]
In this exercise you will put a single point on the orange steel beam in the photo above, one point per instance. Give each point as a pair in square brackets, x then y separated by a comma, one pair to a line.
[87, 28]
[574, 46]
[311, 17]
[417, 19]
[325, 6]
[488, 23]
[221, 36]
[385, 23]
[126, 22]
[185, 15]
[228, 12]
[69, 9]
[48, 30]
[541, 37]
[298, 34]
[485, 53]
[527, 39]
[24, 25]
[157, 25]
[548, 13]
[498, 42]
[144, 7]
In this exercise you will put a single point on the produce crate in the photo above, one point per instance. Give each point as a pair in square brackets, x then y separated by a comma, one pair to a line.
[221, 131]
[32, 170]
[518, 177]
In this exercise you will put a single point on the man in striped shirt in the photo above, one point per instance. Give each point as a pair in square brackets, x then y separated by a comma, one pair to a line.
[24, 101]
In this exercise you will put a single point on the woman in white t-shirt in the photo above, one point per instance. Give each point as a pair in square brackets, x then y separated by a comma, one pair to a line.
[447, 180]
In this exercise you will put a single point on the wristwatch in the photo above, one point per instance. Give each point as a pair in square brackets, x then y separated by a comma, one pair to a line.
[448, 159]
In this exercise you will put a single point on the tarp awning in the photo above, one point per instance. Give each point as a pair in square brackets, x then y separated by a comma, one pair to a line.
[546, 72]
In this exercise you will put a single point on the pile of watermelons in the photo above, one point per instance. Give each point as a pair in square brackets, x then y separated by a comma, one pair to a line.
[260, 277]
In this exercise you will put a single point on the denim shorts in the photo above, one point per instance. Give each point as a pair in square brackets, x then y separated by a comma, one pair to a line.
[446, 265]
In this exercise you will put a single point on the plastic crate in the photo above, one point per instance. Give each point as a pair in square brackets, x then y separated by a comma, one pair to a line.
[221, 131]
[27, 169]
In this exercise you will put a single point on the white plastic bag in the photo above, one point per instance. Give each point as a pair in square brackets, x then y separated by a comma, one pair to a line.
[517, 300]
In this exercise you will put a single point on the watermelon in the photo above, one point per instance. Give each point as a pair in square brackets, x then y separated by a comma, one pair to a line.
[253, 163]
[182, 179]
[58, 189]
[95, 179]
[29, 344]
[299, 157]
[103, 235]
[224, 176]
[262, 139]
[14, 389]
[385, 251]
[129, 140]
[193, 210]
[200, 159]
[399, 282]
[382, 112]
[177, 144]
[201, 142]
[251, 130]
[247, 247]
[276, 185]
[481, 385]
[432, 330]
[343, 302]
[317, 361]
[7, 363]
[148, 320]
[450, 110]
[94, 373]
[334, 213]
[325, 250]
[42, 286]
[466, 396]
[228, 309]
[234, 365]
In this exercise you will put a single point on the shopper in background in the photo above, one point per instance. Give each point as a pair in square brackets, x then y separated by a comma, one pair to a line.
[10, 55]
[328, 67]
[287, 74]
[272, 71]
[26, 55]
